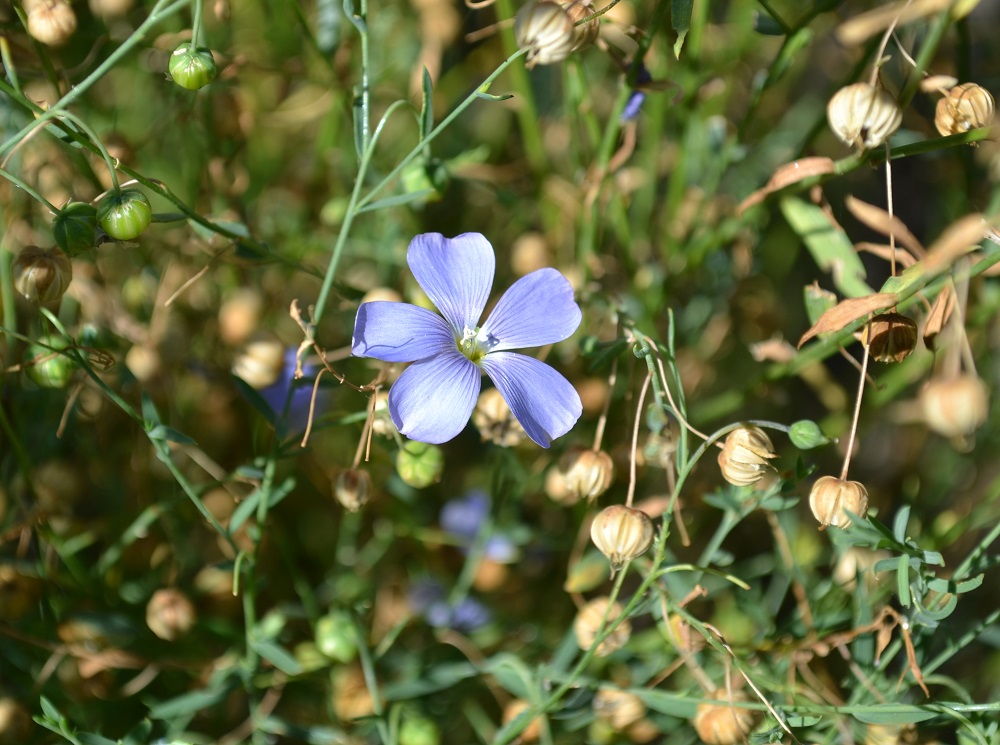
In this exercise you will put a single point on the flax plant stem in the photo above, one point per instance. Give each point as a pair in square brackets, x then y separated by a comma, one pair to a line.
[857, 415]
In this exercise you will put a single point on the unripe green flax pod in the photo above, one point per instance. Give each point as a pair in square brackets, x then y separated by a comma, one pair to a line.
[192, 68]
[125, 214]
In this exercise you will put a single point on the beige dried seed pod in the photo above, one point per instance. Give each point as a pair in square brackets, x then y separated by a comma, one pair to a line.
[512, 710]
[890, 337]
[621, 533]
[863, 116]
[169, 614]
[51, 22]
[495, 421]
[586, 33]
[619, 709]
[724, 723]
[587, 473]
[955, 407]
[353, 488]
[41, 275]
[545, 29]
[966, 106]
[260, 362]
[830, 496]
[588, 623]
[745, 455]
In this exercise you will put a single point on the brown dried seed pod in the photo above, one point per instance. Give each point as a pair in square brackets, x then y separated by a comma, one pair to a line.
[745, 455]
[512, 710]
[260, 362]
[862, 115]
[618, 708]
[966, 106]
[588, 623]
[169, 614]
[587, 473]
[890, 337]
[353, 488]
[955, 407]
[42, 275]
[545, 29]
[621, 533]
[51, 22]
[586, 33]
[724, 723]
[830, 496]
[495, 421]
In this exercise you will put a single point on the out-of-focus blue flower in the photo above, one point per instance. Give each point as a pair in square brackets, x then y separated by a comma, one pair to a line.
[635, 101]
[429, 600]
[433, 399]
[296, 416]
[464, 517]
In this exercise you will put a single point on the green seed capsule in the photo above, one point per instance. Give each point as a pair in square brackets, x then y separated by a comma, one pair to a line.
[192, 68]
[46, 368]
[335, 637]
[73, 227]
[124, 215]
[419, 464]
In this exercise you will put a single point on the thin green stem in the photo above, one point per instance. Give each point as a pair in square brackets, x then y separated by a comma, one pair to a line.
[196, 28]
[29, 190]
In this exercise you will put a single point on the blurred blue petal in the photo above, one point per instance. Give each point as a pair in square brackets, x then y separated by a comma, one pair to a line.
[536, 310]
[399, 332]
[463, 517]
[296, 416]
[456, 273]
[469, 615]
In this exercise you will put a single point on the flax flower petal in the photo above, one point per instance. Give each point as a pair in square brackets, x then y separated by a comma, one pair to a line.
[537, 309]
[433, 399]
[456, 273]
[399, 332]
[544, 402]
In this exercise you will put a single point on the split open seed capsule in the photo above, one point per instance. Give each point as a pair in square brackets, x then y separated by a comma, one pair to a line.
[955, 407]
[589, 622]
[745, 455]
[41, 275]
[863, 116]
[966, 106]
[545, 29]
[830, 497]
[621, 533]
[890, 337]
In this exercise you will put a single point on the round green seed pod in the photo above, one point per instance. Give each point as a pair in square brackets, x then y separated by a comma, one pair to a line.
[192, 67]
[74, 227]
[335, 637]
[46, 368]
[419, 464]
[124, 215]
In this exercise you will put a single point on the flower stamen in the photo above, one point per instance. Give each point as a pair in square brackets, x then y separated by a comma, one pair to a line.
[476, 343]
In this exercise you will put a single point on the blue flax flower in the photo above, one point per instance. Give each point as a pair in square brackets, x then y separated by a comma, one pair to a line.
[464, 518]
[433, 399]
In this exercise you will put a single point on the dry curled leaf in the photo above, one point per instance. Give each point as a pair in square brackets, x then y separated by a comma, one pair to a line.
[958, 239]
[785, 175]
[903, 257]
[878, 219]
[941, 311]
[938, 83]
[866, 25]
[848, 311]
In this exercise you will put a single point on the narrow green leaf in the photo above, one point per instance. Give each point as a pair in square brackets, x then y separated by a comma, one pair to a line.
[249, 505]
[490, 97]
[903, 580]
[427, 106]
[188, 703]
[277, 656]
[396, 201]
[893, 714]
[50, 710]
[899, 524]
[169, 434]
[149, 413]
[680, 19]
[88, 738]
[765, 25]
[257, 401]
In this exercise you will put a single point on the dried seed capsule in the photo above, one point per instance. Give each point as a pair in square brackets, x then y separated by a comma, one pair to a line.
[588, 623]
[51, 22]
[745, 455]
[42, 275]
[511, 711]
[545, 29]
[954, 407]
[587, 473]
[124, 215]
[621, 533]
[353, 488]
[618, 708]
[724, 723]
[169, 614]
[862, 115]
[495, 421]
[192, 68]
[830, 496]
[261, 362]
[966, 106]
[890, 337]
[586, 33]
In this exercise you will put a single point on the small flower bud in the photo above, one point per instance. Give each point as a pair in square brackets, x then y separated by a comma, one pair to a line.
[335, 637]
[74, 227]
[42, 275]
[352, 489]
[192, 68]
[745, 455]
[966, 106]
[51, 22]
[511, 711]
[495, 421]
[261, 362]
[890, 337]
[124, 215]
[169, 614]
[955, 407]
[418, 730]
[621, 533]
[830, 496]
[618, 708]
[724, 723]
[863, 116]
[419, 464]
[546, 30]
[47, 368]
[595, 615]
[587, 473]
[805, 434]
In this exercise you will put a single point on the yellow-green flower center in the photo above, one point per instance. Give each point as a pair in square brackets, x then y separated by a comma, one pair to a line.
[476, 344]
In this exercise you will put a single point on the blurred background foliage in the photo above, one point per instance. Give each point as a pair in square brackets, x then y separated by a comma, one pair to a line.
[173, 562]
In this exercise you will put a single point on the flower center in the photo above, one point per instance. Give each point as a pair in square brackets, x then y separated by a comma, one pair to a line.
[476, 343]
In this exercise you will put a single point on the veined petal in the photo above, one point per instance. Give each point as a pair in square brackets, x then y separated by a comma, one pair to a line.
[433, 399]
[537, 309]
[544, 402]
[399, 332]
[456, 273]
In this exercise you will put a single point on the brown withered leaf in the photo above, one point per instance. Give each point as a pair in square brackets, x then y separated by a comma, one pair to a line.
[903, 257]
[785, 175]
[938, 83]
[866, 25]
[958, 239]
[941, 311]
[847, 311]
[878, 219]
[775, 349]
